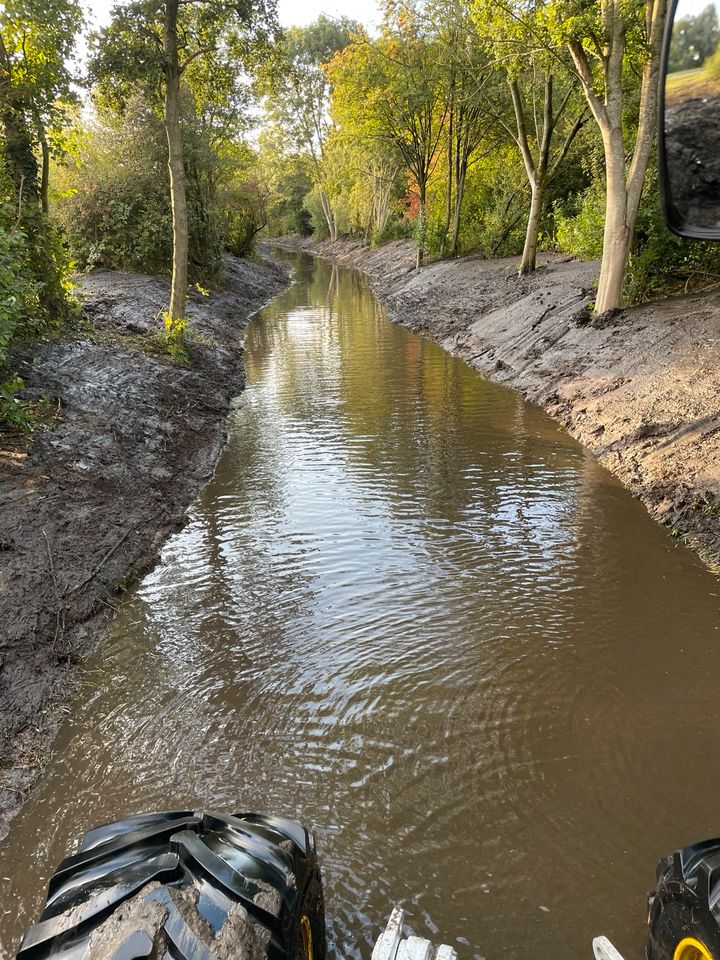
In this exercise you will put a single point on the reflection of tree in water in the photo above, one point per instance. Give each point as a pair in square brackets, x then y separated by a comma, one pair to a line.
[416, 429]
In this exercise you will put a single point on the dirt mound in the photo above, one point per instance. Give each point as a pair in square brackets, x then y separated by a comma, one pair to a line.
[85, 510]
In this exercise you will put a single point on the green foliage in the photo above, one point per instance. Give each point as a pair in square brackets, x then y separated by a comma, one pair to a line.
[296, 89]
[34, 269]
[712, 65]
[36, 43]
[216, 42]
[579, 222]
[241, 227]
[314, 209]
[114, 202]
[660, 263]
[397, 227]
[175, 333]
[242, 200]
[285, 180]
[428, 233]
[12, 411]
[393, 92]
[38, 40]
[18, 288]
[694, 39]
[495, 205]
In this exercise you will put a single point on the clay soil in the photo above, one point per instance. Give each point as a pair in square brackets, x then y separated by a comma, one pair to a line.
[640, 390]
[87, 503]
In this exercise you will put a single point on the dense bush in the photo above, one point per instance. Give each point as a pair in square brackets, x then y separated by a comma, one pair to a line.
[34, 273]
[660, 262]
[241, 228]
[579, 222]
[286, 181]
[494, 209]
[398, 227]
[18, 289]
[114, 204]
[34, 287]
[313, 207]
[712, 64]
[114, 199]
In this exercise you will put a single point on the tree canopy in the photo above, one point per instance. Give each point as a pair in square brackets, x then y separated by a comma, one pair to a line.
[496, 126]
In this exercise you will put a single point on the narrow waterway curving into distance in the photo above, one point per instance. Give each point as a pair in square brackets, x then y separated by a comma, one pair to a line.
[411, 610]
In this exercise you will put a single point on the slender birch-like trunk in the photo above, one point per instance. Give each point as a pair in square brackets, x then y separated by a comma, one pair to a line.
[624, 183]
[178, 199]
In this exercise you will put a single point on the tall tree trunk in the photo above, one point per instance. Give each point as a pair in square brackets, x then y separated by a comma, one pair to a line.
[178, 198]
[536, 170]
[449, 187]
[422, 225]
[329, 214]
[624, 186]
[617, 236]
[45, 177]
[459, 194]
[382, 192]
[529, 256]
[44, 166]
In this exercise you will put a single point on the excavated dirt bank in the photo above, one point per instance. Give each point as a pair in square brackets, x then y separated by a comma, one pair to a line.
[86, 507]
[640, 390]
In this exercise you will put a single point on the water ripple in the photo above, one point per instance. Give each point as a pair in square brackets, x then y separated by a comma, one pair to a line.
[412, 611]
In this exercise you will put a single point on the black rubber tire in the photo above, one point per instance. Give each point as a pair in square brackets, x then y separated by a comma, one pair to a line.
[685, 902]
[209, 884]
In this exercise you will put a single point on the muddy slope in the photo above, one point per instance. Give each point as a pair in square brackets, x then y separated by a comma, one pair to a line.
[641, 391]
[85, 509]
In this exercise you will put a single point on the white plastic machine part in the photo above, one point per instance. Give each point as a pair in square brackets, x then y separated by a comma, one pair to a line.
[391, 945]
[604, 950]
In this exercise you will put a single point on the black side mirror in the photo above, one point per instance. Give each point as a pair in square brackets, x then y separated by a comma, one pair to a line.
[689, 121]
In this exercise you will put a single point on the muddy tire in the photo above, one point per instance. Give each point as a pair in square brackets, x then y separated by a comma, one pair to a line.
[205, 886]
[684, 912]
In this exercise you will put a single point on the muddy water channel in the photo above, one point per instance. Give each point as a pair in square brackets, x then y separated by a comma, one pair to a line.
[410, 609]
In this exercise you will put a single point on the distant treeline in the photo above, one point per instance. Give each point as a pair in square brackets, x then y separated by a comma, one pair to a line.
[490, 125]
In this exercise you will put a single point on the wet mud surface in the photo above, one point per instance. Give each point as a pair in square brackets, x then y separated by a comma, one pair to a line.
[640, 390]
[86, 507]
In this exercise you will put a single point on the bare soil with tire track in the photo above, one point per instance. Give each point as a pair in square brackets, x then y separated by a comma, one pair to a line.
[86, 506]
[640, 390]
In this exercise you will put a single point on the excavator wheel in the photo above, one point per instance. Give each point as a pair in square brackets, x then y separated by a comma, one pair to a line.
[684, 911]
[206, 886]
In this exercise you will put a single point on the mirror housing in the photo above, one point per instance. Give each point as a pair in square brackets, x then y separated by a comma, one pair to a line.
[689, 120]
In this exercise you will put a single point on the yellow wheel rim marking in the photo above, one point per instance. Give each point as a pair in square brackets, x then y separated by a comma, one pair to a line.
[691, 949]
[307, 938]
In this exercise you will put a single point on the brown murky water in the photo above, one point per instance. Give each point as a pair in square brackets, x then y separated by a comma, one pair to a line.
[413, 611]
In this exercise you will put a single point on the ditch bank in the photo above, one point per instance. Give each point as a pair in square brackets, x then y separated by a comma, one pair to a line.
[87, 505]
[640, 390]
